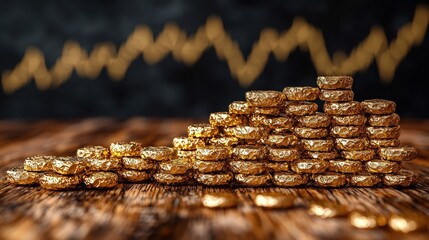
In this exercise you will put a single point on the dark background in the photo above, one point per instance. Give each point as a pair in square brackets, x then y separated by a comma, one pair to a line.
[171, 89]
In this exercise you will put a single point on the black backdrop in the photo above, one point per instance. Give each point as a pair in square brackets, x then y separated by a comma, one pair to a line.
[171, 89]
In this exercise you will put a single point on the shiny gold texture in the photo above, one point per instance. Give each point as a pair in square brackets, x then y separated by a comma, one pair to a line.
[176, 166]
[349, 120]
[54, 181]
[405, 153]
[252, 180]
[97, 152]
[284, 122]
[317, 120]
[19, 176]
[214, 179]
[321, 155]
[219, 200]
[300, 108]
[157, 153]
[330, 179]
[378, 143]
[345, 166]
[185, 153]
[286, 179]
[277, 166]
[305, 132]
[171, 179]
[138, 163]
[384, 120]
[359, 155]
[125, 149]
[342, 108]
[366, 219]
[381, 166]
[403, 178]
[213, 153]
[317, 145]
[38, 163]
[383, 132]
[378, 106]
[247, 167]
[351, 143]
[309, 166]
[208, 166]
[270, 111]
[336, 95]
[335, 82]
[68, 165]
[246, 132]
[187, 143]
[265, 98]
[240, 108]
[202, 130]
[408, 221]
[347, 131]
[285, 140]
[326, 209]
[274, 200]
[225, 141]
[133, 176]
[301, 93]
[249, 152]
[225, 119]
[364, 180]
[283, 154]
[100, 180]
[107, 164]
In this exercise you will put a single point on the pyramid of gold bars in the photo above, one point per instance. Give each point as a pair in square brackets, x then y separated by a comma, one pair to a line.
[273, 138]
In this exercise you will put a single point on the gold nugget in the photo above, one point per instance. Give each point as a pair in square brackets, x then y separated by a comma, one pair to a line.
[18, 175]
[38, 163]
[100, 180]
[176, 166]
[403, 178]
[125, 149]
[68, 165]
[301, 93]
[336, 95]
[326, 209]
[408, 221]
[378, 106]
[381, 166]
[309, 166]
[218, 179]
[349, 120]
[384, 120]
[280, 140]
[107, 164]
[347, 131]
[249, 152]
[213, 153]
[383, 132]
[247, 167]
[54, 181]
[185, 154]
[300, 108]
[265, 98]
[225, 119]
[133, 176]
[137, 163]
[158, 153]
[202, 130]
[246, 132]
[317, 145]
[304, 132]
[240, 107]
[345, 166]
[274, 111]
[170, 179]
[330, 179]
[252, 180]
[406, 153]
[283, 154]
[274, 200]
[224, 141]
[366, 220]
[317, 120]
[351, 143]
[98, 152]
[187, 143]
[364, 180]
[321, 155]
[334, 82]
[219, 200]
[359, 155]
[285, 179]
[342, 108]
[208, 166]
[277, 166]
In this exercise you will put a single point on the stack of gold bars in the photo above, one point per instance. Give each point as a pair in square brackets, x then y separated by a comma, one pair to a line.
[272, 138]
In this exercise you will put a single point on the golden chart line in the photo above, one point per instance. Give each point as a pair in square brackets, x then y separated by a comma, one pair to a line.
[188, 49]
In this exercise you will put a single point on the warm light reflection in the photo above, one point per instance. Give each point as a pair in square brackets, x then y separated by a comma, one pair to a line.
[189, 49]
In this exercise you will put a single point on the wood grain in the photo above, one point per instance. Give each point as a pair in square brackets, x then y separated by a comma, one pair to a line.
[151, 211]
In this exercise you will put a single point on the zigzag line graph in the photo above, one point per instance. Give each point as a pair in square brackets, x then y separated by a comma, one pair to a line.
[188, 49]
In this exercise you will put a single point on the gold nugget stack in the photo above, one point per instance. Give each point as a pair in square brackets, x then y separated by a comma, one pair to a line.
[271, 138]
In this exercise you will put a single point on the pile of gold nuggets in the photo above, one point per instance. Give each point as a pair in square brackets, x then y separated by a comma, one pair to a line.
[272, 138]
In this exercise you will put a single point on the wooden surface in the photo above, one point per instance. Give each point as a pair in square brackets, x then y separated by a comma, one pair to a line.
[136, 211]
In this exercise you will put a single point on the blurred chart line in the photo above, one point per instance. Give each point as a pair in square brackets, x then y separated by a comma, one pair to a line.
[188, 49]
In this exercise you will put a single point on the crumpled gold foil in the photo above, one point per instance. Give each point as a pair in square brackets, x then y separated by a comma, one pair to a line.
[336, 95]
[383, 132]
[249, 152]
[274, 200]
[301, 93]
[133, 176]
[100, 179]
[309, 166]
[219, 200]
[384, 120]
[138, 163]
[38, 163]
[359, 155]
[265, 98]
[98, 152]
[321, 155]
[247, 167]
[202, 130]
[351, 143]
[240, 107]
[403, 178]
[158, 153]
[283, 154]
[18, 175]
[68, 165]
[176, 166]
[378, 106]
[345, 166]
[342, 108]
[125, 149]
[107, 164]
[378, 143]
[214, 179]
[267, 111]
[225, 119]
[289, 179]
[284, 122]
[405, 153]
[349, 120]
[300, 108]
[185, 153]
[382, 166]
[224, 141]
[305, 132]
[277, 166]
[286, 140]
[364, 180]
[246, 132]
[252, 180]
[172, 179]
[213, 153]
[187, 143]
[208, 166]
[335, 82]
[317, 145]
[347, 131]
[317, 120]
[330, 179]
[54, 181]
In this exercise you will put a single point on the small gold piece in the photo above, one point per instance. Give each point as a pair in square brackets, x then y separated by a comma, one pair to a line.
[277, 166]
[351, 143]
[187, 143]
[342, 108]
[300, 108]
[170, 179]
[265, 98]
[309, 166]
[326, 209]
[321, 155]
[125, 149]
[274, 200]
[284, 122]
[382, 166]
[408, 221]
[202, 130]
[252, 180]
[383, 132]
[249, 152]
[378, 106]
[317, 120]
[54, 181]
[330, 179]
[225, 119]
[366, 220]
[286, 140]
[137, 163]
[224, 141]
[349, 120]
[133, 176]
[247, 167]
[347, 131]
[283, 154]
[107, 164]
[335, 82]
[406, 153]
[97, 152]
[285, 179]
[403, 178]
[176, 166]
[217, 179]
[336, 95]
[68, 165]
[301, 93]
[240, 107]
[185, 154]
[359, 155]
[213, 153]
[317, 145]
[38, 163]
[208, 166]
[258, 120]
[100, 180]
[384, 120]
[379, 143]
[18, 175]
[274, 111]
[345, 166]
[219, 200]
[246, 132]
[304, 132]
[158, 153]
[364, 180]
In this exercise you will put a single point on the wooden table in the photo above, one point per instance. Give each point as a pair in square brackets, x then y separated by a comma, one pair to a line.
[156, 212]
